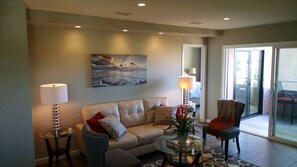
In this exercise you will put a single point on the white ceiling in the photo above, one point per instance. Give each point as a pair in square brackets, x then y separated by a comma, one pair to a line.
[208, 14]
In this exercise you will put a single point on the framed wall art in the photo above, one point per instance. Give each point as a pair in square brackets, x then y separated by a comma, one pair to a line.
[118, 69]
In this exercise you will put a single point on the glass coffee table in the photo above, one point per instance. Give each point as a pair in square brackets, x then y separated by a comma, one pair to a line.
[177, 153]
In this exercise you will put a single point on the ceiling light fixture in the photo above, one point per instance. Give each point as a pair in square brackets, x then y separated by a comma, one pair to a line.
[226, 18]
[141, 4]
[125, 30]
[161, 33]
[77, 26]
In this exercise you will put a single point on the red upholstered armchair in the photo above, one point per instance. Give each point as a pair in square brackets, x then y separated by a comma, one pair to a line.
[226, 125]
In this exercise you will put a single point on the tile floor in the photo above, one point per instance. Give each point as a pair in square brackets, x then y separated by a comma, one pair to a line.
[257, 150]
[258, 125]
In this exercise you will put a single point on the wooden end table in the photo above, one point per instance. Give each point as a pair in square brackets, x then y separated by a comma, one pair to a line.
[48, 135]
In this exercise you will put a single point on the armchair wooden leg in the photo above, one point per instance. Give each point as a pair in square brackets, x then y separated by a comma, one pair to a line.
[237, 144]
[226, 149]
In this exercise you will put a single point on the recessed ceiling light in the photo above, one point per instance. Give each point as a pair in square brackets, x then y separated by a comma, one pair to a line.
[141, 4]
[125, 30]
[161, 33]
[77, 26]
[226, 18]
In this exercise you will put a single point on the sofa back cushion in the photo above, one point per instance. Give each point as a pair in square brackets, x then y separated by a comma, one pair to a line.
[105, 109]
[149, 104]
[132, 112]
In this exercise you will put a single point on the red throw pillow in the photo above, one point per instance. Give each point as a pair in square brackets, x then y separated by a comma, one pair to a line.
[94, 124]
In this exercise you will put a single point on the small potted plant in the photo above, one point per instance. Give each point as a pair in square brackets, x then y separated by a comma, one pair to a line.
[182, 122]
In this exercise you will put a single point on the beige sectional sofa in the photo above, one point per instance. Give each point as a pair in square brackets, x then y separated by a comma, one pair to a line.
[137, 115]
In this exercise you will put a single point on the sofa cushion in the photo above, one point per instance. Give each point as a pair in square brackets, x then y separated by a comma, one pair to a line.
[105, 109]
[146, 133]
[113, 126]
[94, 124]
[149, 103]
[127, 141]
[164, 115]
[132, 112]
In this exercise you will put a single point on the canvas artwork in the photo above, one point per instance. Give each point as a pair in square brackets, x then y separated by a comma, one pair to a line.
[118, 69]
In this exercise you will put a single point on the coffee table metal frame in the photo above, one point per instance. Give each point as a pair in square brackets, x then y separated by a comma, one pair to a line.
[168, 153]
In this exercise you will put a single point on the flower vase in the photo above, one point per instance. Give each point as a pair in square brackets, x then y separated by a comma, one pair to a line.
[182, 137]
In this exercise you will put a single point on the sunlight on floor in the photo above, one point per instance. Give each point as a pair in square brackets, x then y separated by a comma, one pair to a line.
[257, 125]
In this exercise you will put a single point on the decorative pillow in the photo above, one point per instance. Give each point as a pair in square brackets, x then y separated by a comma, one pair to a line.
[113, 126]
[94, 124]
[164, 115]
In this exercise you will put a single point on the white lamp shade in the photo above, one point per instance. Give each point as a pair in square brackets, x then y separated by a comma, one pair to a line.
[186, 82]
[192, 71]
[54, 93]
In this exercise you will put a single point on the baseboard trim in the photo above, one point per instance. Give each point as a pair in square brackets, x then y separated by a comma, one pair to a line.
[204, 120]
[44, 160]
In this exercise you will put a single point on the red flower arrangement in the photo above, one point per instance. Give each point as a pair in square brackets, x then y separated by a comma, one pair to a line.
[183, 121]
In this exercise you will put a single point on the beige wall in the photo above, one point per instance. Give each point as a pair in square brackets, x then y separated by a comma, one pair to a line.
[261, 34]
[16, 134]
[63, 55]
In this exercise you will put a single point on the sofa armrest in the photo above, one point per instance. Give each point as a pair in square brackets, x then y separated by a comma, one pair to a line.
[79, 137]
[96, 145]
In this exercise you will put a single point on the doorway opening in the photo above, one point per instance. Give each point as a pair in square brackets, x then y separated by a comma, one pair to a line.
[275, 99]
[247, 79]
[194, 64]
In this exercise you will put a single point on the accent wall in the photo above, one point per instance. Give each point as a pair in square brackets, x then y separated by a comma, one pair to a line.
[61, 54]
[16, 133]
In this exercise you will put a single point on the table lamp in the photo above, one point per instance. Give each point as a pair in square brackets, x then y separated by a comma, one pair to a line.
[192, 71]
[186, 83]
[54, 94]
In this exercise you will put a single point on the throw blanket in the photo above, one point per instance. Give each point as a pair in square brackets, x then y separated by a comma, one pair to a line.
[226, 115]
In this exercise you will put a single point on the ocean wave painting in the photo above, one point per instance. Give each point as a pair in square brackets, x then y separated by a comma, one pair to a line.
[118, 69]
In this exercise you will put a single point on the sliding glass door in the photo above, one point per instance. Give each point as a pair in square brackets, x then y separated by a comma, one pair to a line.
[248, 82]
[245, 78]
[277, 79]
[284, 122]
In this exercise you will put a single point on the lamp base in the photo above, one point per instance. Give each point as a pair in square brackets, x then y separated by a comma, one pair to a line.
[186, 97]
[56, 119]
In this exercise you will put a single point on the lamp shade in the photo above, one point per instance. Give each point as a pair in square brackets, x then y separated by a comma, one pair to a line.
[192, 71]
[54, 93]
[186, 82]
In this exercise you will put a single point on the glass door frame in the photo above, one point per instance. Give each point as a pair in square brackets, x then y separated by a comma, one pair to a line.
[247, 80]
[228, 85]
[274, 78]
[275, 46]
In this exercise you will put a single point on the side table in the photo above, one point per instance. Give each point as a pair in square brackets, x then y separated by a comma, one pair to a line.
[49, 135]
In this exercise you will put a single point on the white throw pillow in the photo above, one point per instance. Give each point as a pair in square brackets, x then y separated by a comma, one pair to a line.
[113, 126]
